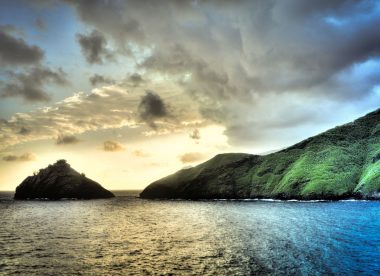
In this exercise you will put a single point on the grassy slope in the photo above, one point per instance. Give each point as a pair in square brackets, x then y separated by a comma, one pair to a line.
[339, 163]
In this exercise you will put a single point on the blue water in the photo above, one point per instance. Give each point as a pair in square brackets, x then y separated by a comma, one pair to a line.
[127, 235]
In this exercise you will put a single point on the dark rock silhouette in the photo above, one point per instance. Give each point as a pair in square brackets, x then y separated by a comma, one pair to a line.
[59, 181]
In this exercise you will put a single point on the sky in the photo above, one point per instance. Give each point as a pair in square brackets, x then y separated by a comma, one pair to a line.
[131, 91]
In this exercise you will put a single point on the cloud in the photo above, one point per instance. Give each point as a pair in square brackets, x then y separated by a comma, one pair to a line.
[67, 140]
[99, 79]
[136, 79]
[40, 24]
[94, 47]
[152, 107]
[27, 157]
[15, 51]
[23, 157]
[12, 30]
[29, 85]
[191, 157]
[110, 15]
[233, 58]
[112, 146]
[195, 134]
[10, 158]
[140, 153]
[133, 80]
[24, 131]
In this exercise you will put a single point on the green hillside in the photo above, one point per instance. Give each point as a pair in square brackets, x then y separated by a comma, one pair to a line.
[343, 162]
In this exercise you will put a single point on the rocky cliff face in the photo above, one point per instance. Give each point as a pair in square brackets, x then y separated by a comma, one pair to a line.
[343, 162]
[60, 181]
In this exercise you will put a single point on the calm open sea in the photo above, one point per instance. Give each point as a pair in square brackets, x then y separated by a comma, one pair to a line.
[127, 235]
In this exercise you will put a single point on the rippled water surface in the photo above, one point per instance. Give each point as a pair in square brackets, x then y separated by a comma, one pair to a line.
[127, 235]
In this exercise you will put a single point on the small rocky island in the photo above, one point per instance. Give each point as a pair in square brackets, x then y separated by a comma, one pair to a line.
[59, 181]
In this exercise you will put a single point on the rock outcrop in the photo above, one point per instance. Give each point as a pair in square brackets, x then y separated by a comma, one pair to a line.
[59, 181]
[343, 162]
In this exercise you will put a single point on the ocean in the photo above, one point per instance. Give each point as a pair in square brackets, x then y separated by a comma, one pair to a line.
[130, 236]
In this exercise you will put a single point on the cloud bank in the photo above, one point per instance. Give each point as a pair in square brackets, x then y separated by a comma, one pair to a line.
[265, 70]
[105, 108]
[241, 60]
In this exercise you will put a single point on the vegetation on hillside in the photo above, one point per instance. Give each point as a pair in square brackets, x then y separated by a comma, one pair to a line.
[342, 162]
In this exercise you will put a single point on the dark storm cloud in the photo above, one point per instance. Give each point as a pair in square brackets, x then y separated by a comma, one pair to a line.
[99, 79]
[152, 107]
[29, 85]
[15, 51]
[67, 140]
[94, 47]
[23, 157]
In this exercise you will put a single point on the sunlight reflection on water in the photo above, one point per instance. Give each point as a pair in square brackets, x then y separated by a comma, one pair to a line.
[127, 235]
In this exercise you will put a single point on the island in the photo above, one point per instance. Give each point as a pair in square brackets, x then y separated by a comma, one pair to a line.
[60, 181]
[341, 163]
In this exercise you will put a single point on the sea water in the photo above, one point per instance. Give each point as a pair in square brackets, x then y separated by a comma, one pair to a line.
[131, 236]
